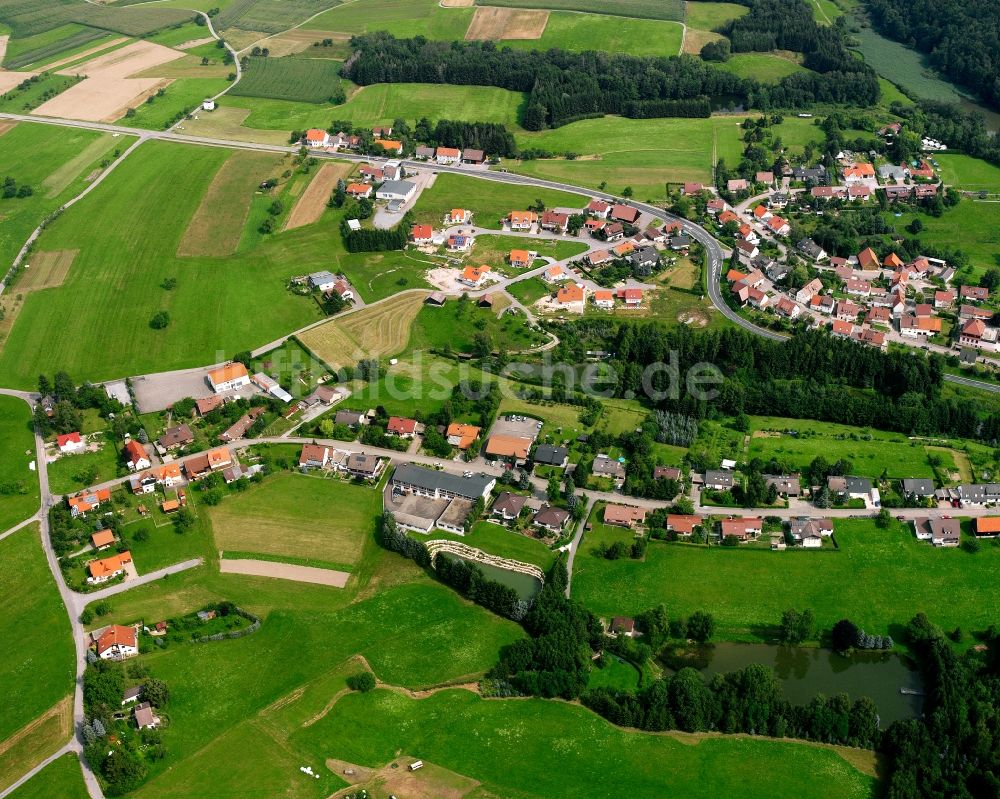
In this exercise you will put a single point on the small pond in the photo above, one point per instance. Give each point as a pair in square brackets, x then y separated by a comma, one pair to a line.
[804, 672]
[525, 585]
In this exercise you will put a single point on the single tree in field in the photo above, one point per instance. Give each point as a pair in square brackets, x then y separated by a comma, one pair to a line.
[160, 320]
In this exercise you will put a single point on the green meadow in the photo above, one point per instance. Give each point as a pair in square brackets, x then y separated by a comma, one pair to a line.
[147, 204]
[17, 451]
[578, 32]
[968, 173]
[709, 16]
[490, 201]
[889, 452]
[384, 102]
[748, 589]
[642, 153]
[765, 67]
[573, 753]
[62, 778]
[39, 671]
[972, 226]
[44, 157]
[402, 18]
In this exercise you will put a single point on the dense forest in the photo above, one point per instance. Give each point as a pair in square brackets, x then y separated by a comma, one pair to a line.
[808, 376]
[960, 37]
[564, 86]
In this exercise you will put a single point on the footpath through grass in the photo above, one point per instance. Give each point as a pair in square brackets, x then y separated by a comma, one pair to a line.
[878, 578]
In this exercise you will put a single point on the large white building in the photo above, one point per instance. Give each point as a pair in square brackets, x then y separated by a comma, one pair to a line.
[230, 377]
[402, 190]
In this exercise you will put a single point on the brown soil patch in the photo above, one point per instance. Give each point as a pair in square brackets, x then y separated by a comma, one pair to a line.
[3, 46]
[492, 23]
[694, 318]
[108, 92]
[242, 39]
[372, 332]
[396, 779]
[310, 205]
[457, 3]
[226, 122]
[10, 80]
[7, 124]
[285, 571]
[217, 225]
[47, 270]
[695, 39]
[299, 40]
[194, 43]
[85, 53]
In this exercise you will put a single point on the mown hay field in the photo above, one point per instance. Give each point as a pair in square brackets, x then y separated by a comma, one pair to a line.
[643, 9]
[373, 332]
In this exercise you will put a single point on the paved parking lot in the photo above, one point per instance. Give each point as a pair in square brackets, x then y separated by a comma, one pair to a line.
[158, 391]
[514, 426]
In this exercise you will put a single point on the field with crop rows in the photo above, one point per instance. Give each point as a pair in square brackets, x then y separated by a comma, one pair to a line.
[310, 80]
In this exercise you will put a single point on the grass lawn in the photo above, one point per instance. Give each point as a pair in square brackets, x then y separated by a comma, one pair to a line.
[182, 95]
[747, 590]
[20, 498]
[643, 9]
[61, 778]
[299, 516]
[972, 226]
[74, 472]
[891, 93]
[494, 250]
[966, 172]
[530, 291]
[219, 306]
[578, 32]
[621, 416]
[420, 383]
[38, 673]
[456, 324]
[402, 632]
[709, 16]
[574, 753]
[641, 153]
[384, 102]
[891, 452]
[765, 67]
[498, 540]
[489, 201]
[402, 18]
[616, 674]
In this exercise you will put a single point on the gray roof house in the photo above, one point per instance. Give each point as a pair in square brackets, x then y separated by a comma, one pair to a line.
[718, 479]
[440, 484]
[507, 506]
[548, 455]
[849, 486]
[940, 532]
[918, 487]
[787, 485]
[645, 256]
[424, 152]
[350, 418]
[550, 518]
[608, 467]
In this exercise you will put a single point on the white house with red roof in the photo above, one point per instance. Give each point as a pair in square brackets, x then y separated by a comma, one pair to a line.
[317, 138]
[70, 442]
[421, 234]
[400, 427]
[598, 208]
[117, 642]
[135, 456]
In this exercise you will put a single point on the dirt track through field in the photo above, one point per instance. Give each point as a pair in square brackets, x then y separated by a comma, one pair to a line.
[7, 125]
[217, 225]
[491, 23]
[3, 46]
[89, 52]
[310, 205]
[108, 91]
[375, 331]
[285, 571]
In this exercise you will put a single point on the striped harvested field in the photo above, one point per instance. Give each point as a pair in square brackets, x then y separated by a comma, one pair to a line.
[309, 207]
[47, 270]
[372, 332]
